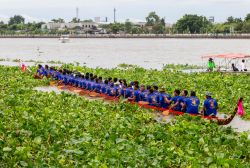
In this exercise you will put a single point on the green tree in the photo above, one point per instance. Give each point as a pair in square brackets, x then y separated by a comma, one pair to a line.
[17, 19]
[192, 24]
[59, 20]
[75, 20]
[247, 18]
[152, 19]
[116, 27]
[246, 27]
[128, 27]
[230, 19]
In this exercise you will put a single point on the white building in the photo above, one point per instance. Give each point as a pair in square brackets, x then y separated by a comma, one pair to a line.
[86, 26]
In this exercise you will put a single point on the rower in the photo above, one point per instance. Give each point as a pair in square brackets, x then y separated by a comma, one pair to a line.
[177, 105]
[142, 93]
[135, 94]
[128, 91]
[46, 71]
[181, 100]
[40, 72]
[151, 98]
[210, 105]
[162, 97]
[192, 103]
[104, 87]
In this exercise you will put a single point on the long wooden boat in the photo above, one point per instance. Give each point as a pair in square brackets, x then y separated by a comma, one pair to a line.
[164, 111]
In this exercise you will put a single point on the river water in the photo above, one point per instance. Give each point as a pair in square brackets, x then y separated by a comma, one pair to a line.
[108, 53]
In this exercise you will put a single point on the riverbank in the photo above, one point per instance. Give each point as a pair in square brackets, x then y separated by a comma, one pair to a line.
[177, 36]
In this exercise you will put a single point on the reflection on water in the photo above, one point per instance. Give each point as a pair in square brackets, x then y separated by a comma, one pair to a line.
[148, 53]
[237, 124]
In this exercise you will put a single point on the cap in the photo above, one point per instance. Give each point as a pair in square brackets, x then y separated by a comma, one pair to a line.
[208, 94]
[162, 89]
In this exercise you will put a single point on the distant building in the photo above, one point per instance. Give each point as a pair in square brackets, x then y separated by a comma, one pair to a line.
[82, 26]
[139, 24]
[211, 19]
[97, 19]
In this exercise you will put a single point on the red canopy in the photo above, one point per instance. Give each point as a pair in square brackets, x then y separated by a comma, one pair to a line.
[228, 56]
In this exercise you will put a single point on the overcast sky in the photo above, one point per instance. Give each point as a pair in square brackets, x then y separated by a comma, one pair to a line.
[133, 9]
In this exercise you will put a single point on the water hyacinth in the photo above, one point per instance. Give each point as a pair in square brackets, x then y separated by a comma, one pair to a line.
[40, 129]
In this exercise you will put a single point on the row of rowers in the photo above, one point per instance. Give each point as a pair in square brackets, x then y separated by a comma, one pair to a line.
[179, 101]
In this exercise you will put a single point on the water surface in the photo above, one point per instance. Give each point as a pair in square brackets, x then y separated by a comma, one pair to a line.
[148, 53]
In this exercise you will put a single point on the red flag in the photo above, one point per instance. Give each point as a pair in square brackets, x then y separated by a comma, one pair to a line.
[241, 111]
[24, 68]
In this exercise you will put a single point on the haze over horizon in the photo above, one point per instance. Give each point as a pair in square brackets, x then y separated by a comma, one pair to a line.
[135, 10]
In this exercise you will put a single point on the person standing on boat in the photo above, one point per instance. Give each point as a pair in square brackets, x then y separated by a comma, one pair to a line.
[243, 66]
[210, 105]
[211, 65]
[192, 104]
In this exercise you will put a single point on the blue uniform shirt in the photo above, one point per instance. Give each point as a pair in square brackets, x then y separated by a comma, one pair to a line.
[210, 106]
[175, 99]
[151, 99]
[144, 95]
[103, 88]
[192, 104]
[128, 92]
[137, 95]
[161, 100]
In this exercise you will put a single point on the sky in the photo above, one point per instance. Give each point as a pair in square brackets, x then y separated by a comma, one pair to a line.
[135, 10]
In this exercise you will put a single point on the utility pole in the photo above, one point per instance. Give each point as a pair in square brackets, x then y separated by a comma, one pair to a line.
[114, 15]
[77, 13]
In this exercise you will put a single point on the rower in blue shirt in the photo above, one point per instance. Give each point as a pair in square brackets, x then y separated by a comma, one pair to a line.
[210, 105]
[136, 94]
[181, 100]
[162, 97]
[192, 103]
[176, 106]
[104, 87]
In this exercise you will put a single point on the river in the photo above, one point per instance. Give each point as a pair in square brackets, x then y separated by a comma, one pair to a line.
[108, 53]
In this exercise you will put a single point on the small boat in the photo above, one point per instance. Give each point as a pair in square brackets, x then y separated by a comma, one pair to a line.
[64, 38]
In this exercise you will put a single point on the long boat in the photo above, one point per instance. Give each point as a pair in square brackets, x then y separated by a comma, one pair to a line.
[164, 111]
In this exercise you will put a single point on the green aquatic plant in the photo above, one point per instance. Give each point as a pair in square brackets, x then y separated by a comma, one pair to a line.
[40, 129]
[181, 67]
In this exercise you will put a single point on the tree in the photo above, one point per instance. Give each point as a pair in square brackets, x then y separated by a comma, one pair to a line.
[59, 20]
[128, 27]
[247, 18]
[246, 27]
[192, 24]
[116, 27]
[231, 19]
[17, 19]
[75, 20]
[152, 19]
